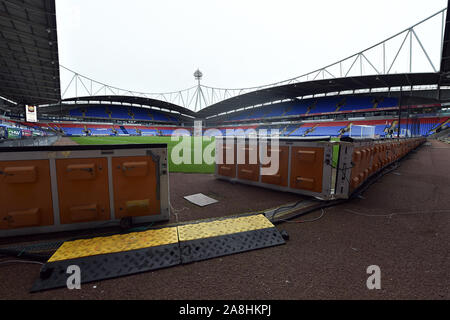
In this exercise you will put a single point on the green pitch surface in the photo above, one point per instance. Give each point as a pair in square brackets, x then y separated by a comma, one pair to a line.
[187, 168]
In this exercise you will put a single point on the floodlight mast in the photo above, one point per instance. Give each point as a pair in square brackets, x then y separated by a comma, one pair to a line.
[199, 96]
[198, 76]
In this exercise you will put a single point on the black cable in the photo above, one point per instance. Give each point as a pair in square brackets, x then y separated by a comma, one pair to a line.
[26, 255]
[305, 221]
[393, 166]
[20, 261]
[285, 207]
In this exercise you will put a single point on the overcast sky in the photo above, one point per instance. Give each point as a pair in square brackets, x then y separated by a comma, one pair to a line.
[155, 46]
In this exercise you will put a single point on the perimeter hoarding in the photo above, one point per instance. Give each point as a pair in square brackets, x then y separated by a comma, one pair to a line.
[14, 133]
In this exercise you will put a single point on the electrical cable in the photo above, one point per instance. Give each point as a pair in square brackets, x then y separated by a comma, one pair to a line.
[390, 215]
[304, 221]
[21, 261]
[276, 210]
[177, 211]
[22, 253]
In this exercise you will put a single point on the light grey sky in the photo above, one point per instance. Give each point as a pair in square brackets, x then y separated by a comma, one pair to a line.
[155, 46]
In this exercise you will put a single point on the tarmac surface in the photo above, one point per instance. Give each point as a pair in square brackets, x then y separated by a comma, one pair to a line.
[65, 141]
[401, 224]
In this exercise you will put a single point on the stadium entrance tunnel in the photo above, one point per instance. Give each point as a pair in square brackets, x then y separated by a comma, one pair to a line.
[120, 255]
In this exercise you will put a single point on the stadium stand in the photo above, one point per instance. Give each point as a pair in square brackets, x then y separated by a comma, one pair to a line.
[120, 113]
[11, 129]
[428, 126]
[309, 107]
[357, 103]
[90, 129]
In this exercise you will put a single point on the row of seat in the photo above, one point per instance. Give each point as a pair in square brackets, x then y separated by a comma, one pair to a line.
[370, 157]
[382, 128]
[119, 112]
[336, 104]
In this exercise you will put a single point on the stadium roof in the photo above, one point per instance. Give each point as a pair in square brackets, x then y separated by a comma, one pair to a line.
[292, 91]
[133, 100]
[29, 64]
[29, 68]
[445, 60]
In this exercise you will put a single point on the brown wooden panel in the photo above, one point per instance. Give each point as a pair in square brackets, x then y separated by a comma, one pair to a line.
[249, 171]
[135, 187]
[307, 168]
[25, 194]
[227, 169]
[83, 190]
[281, 177]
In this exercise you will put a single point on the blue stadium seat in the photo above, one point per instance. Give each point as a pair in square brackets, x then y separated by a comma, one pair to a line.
[141, 114]
[74, 131]
[388, 103]
[328, 104]
[96, 112]
[300, 131]
[276, 110]
[76, 113]
[297, 108]
[357, 103]
[325, 131]
[122, 113]
[118, 112]
[132, 132]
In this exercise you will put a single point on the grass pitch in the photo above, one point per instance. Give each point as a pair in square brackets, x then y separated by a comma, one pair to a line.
[186, 168]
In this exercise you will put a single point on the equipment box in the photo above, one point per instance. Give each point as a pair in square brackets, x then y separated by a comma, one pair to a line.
[61, 188]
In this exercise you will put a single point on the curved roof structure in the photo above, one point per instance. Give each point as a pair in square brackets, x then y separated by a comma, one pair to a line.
[295, 90]
[134, 100]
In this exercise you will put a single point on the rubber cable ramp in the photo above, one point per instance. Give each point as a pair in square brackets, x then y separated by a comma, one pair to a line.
[120, 255]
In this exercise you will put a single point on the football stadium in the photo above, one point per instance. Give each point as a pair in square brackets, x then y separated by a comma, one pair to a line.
[308, 188]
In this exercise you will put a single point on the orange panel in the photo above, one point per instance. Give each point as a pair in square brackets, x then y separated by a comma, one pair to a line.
[135, 187]
[281, 177]
[83, 190]
[227, 169]
[249, 171]
[25, 194]
[307, 168]
[357, 164]
[366, 161]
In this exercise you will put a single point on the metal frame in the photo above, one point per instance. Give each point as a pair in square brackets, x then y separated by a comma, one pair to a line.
[157, 153]
[327, 177]
[345, 164]
[358, 64]
[344, 170]
[335, 181]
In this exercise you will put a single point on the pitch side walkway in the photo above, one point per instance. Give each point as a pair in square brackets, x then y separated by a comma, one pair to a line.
[64, 141]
